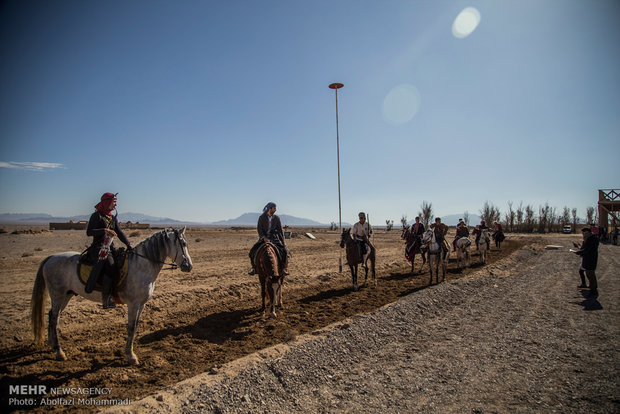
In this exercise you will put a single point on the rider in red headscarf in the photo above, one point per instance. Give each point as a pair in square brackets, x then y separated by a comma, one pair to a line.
[103, 224]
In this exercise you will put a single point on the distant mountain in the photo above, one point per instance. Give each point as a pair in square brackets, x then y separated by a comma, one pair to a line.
[42, 218]
[250, 219]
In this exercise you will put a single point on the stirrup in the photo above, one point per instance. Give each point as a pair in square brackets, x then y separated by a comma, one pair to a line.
[252, 271]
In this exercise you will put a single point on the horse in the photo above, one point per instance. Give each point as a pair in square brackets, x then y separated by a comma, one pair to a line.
[483, 245]
[267, 264]
[435, 252]
[413, 245]
[462, 252]
[58, 274]
[498, 237]
[354, 258]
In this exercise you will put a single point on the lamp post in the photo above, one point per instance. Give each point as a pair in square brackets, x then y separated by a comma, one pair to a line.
[335, 87]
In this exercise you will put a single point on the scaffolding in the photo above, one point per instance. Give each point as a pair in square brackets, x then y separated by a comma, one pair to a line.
[608, 205]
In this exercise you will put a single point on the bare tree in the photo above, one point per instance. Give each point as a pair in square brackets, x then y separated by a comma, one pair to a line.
[590, 215]
[389, 224]
[403, 221]
[510, 217]
[520, 216]
[466, 217]
[575, 219]
[551, 219]
[489, 213]
[426, 215]
[565, 217]
[543, 217]
[530, 219]
[333, 226]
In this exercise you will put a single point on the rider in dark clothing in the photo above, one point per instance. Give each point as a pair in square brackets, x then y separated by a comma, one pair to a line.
[101, 224]
[461, 231]
[269, 229]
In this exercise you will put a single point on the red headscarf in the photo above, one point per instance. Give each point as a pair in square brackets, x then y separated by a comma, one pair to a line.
[104, 207]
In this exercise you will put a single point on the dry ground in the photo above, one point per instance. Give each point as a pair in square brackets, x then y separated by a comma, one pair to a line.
[198, 322]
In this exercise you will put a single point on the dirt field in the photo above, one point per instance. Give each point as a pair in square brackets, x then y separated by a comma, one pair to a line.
[199, 321]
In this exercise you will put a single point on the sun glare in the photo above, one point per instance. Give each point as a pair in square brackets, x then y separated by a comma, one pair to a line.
[466, 22]
[401, 104]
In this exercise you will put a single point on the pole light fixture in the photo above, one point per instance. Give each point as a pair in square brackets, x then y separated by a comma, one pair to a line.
[335, 87]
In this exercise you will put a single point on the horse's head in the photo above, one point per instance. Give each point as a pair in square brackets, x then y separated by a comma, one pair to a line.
[179, 249]
[429, 236]
[346, 235]
[405, 233]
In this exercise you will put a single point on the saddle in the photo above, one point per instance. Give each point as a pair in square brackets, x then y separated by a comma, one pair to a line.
[86, 263]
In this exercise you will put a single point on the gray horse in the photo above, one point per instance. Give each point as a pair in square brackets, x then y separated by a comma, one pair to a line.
[59, 275]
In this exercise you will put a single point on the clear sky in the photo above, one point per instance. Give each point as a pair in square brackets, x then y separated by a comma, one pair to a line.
[204, 110]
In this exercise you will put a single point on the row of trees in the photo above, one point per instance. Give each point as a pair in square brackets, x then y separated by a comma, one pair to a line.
[523, 219]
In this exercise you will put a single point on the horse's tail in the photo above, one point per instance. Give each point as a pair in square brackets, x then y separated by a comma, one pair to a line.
[37, 304]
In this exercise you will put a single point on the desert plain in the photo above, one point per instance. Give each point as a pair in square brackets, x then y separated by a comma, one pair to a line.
[513, 335]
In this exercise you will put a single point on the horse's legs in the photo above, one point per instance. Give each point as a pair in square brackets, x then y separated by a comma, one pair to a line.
[272, 300]
[413, 264]
[58, 304]
[353, 276]
[135, 310]
[263, 292]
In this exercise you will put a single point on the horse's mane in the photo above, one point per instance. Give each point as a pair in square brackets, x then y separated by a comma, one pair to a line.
[155, 244]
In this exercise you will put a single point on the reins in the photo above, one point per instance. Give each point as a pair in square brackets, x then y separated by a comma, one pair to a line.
[172, 265]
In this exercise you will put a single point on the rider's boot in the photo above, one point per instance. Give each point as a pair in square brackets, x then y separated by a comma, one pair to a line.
[106, 292]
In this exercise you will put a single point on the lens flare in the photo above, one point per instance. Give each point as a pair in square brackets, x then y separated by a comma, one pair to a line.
[466, 22]
[401, 104]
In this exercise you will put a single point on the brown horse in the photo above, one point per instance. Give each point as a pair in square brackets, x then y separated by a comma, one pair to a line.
[413, 245]
[267, 264]
[354, 258]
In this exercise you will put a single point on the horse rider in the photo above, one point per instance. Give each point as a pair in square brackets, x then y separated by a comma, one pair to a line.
[478, 232]
[417, 230]
[101, 224]
[269, 229]
[461, 231]
[361, 234]
[440, 230]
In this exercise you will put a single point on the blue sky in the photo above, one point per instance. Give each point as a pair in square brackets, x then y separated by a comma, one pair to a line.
[204, 110]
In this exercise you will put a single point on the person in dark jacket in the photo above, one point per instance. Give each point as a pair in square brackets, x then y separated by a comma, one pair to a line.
[589, 258]
[269, 229]
[103, 227]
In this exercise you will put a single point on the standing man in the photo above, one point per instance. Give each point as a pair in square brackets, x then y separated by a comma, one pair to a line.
[269, 229]
[589, 258]
[361, 233]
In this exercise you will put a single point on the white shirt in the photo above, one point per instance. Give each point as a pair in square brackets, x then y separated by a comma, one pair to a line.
[360, 230]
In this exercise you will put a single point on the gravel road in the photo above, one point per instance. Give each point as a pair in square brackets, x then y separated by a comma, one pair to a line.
[517, 336]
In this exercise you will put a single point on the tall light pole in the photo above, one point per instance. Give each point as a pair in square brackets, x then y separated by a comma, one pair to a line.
[335, 87]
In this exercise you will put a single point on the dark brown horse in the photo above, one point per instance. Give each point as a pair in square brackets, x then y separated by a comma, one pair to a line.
[267, 264]
[413, 245]
[355, 257]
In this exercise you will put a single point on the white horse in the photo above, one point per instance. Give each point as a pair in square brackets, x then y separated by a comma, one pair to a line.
[59, 275]
[462, 252]
[435, 253]
[483, 245]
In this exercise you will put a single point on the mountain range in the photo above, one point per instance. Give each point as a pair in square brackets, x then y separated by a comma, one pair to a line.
[247, 219]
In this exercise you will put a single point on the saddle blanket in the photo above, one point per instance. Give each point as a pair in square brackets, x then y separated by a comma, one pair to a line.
[84, 273]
